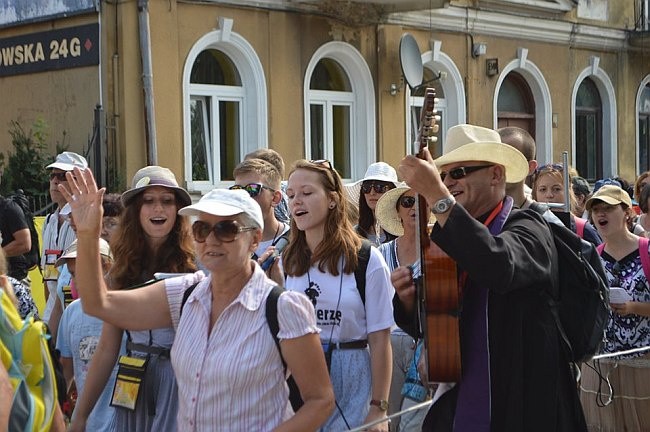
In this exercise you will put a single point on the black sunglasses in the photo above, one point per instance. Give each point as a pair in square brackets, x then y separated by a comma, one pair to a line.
[225, 231]
[379, 188]
[253, 189]
[407, 201]
[460, 172]
[60, 176]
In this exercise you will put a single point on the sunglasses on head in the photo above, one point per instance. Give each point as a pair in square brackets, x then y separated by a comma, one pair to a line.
[253, 189]
[225, 231]
[60, 176]
[550, 167]
[407, 201]
[460, 172]
[324, 162]
[379, 188]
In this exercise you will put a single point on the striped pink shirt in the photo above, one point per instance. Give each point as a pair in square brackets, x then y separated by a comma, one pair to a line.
[232, 379]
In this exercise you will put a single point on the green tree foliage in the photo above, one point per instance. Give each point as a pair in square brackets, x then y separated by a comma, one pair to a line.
[25, 167]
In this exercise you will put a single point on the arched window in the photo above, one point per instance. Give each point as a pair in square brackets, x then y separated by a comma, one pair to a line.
[339, 109]
[331, 104]
[417, 100]
[224, 107]
[644, 129]
[215, 103]
[588, 124]
[515, 104]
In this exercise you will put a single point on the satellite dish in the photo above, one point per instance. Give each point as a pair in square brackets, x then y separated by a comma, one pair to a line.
[411, 60]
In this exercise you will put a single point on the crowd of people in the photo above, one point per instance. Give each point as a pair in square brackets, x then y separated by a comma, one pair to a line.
[160, 305]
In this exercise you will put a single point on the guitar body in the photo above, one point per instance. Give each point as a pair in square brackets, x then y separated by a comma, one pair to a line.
[437, 287]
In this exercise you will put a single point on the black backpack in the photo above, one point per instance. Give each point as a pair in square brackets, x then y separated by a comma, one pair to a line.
[582, 309]
[33, 257]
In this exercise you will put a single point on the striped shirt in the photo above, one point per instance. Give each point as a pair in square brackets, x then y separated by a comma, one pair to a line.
[55, 237]
[231, 378]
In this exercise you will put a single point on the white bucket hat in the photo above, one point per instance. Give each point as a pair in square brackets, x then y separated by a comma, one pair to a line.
[151, 176]
[474, 143]
[225, 202]
[67, 161]
[379, 171]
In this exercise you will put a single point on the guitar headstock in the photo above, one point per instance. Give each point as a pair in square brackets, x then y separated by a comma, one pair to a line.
[428, 121]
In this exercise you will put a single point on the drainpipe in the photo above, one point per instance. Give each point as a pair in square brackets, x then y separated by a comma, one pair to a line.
[147, 81]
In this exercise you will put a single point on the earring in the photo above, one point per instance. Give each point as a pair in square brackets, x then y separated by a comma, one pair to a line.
[332, 205]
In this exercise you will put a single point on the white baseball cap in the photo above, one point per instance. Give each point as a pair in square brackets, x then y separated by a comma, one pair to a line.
[225, 202]
[67, 161]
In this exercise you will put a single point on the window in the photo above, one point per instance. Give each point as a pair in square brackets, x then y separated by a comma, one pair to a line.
[416, 102]
[216, 99]
[588, 124]
[515, 104]
[224, 107]
[339, 109]
[331, 104]
[644, 129]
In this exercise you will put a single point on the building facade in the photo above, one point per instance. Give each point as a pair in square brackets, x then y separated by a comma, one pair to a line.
[195, 85]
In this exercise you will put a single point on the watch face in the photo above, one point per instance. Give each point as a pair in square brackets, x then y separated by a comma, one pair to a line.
[442, 205]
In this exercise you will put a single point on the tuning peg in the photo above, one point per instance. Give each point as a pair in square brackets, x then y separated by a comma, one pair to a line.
[436, 117]
[436, 128]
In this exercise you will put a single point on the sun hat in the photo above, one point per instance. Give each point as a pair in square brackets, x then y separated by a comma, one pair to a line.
[67, 161]
[226, 202]
[151, 176]
[474, 143]
[71, 251]
[379, 171]
[610, 194]
[386, 211]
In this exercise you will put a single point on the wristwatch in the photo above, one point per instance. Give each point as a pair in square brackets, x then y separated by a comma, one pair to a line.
[382, 404]
[443, 205]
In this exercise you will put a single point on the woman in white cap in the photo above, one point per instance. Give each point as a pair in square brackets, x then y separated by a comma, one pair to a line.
[321, 260]
[397, 215]
[625, 259]
[379, 179]
[230, 373]
[151, 238]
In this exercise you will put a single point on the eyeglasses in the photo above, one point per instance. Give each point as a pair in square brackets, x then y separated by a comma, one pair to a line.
[549, 167]
[60, 176]
[253, 189]
[379, 188]
[225, 231]
[407, 201]
[460, 172]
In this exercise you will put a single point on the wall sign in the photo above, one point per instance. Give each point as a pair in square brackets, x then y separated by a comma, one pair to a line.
[56, 49]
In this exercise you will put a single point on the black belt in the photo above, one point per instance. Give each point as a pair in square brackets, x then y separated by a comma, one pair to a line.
[358, 344]
[153, 350]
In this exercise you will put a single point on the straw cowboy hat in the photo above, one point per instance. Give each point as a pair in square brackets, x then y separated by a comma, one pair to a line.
[474, 143]
[379, 171]
[386, 211]
[151, 176]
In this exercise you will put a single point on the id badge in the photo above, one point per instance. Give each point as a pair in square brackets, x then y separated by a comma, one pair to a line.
[129, 381]
[50, 272]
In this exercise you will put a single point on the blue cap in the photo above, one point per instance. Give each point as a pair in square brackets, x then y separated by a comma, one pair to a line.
[608, 181]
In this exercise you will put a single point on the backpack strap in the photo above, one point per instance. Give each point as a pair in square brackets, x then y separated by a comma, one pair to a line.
[186, 295]
[645, 256]
[360, 271]
[601, 247]
[580, 226]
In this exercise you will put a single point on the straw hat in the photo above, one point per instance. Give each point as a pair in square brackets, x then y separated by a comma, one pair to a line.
[386, 211]
[474, 143]
[379, 171]
[71, 252]
[151, 176]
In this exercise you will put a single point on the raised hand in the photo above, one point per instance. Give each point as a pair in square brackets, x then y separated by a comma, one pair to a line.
[85, 201]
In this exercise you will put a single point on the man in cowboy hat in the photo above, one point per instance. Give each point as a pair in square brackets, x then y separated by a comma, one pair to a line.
[515, 374]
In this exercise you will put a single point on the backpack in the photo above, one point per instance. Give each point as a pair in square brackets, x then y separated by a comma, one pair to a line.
[25, 355]
[581, 311]
[643, 254]
[33, 257]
